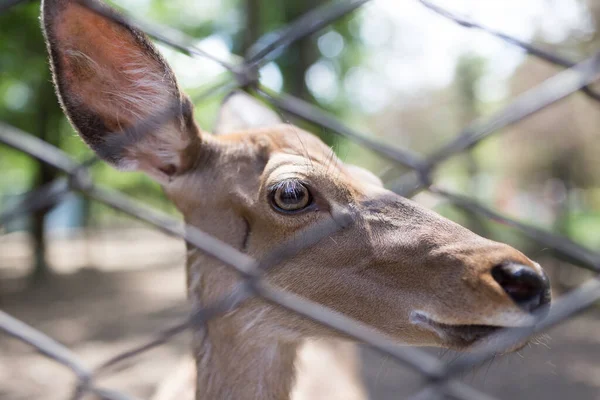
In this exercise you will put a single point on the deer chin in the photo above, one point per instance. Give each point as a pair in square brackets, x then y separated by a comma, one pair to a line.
[462, 336]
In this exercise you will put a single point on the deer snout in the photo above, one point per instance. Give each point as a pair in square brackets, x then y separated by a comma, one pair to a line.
[528, 288]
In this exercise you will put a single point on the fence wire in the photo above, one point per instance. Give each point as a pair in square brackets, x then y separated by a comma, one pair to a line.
[439, 376]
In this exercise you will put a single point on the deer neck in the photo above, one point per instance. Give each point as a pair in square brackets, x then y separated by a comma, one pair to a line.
[237, 366]
[236, 356]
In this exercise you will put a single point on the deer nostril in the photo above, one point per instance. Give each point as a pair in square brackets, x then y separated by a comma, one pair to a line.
[525, 286]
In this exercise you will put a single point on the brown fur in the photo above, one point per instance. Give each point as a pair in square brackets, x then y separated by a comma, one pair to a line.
[396, 258]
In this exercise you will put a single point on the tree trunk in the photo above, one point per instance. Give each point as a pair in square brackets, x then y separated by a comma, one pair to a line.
[47, 130]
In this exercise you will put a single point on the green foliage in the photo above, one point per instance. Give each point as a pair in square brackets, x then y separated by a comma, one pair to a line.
[26, 98]
[584, 227]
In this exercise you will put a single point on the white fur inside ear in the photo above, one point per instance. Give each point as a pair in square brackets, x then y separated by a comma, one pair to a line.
[136, 90]
[241, 111]
[149, 91]
[157, 152]
[119, 92]
[127, 165]
[130, 165]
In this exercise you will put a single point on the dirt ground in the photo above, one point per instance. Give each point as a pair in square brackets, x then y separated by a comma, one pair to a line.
[98, 313]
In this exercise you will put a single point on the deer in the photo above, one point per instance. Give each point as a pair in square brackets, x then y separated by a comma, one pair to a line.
[398, 267]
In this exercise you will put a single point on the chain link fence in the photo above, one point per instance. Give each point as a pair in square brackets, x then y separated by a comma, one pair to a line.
[441, 377]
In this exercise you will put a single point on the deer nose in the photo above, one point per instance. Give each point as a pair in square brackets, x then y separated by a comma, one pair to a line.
[528, 288]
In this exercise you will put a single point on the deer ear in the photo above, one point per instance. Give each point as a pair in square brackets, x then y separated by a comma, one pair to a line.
[117, 90]
[241, 111]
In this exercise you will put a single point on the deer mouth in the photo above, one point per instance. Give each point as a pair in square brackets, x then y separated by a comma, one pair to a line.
[457, 336]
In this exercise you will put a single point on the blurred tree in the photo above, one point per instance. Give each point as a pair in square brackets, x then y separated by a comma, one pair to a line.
[468, 74]
[266, 17]
[552, 157]
[27, 101]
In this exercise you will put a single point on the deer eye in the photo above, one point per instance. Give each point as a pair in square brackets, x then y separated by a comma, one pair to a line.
[290, 196]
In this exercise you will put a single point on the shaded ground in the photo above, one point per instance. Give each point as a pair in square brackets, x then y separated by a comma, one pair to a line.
[98, 314]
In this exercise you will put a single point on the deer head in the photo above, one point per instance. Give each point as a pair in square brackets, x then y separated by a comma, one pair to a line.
[397, 267]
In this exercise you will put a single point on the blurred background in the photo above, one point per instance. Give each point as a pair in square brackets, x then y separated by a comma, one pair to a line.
[99, 281]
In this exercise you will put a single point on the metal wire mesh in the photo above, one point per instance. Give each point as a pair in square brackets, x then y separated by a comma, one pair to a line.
[440, 376]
